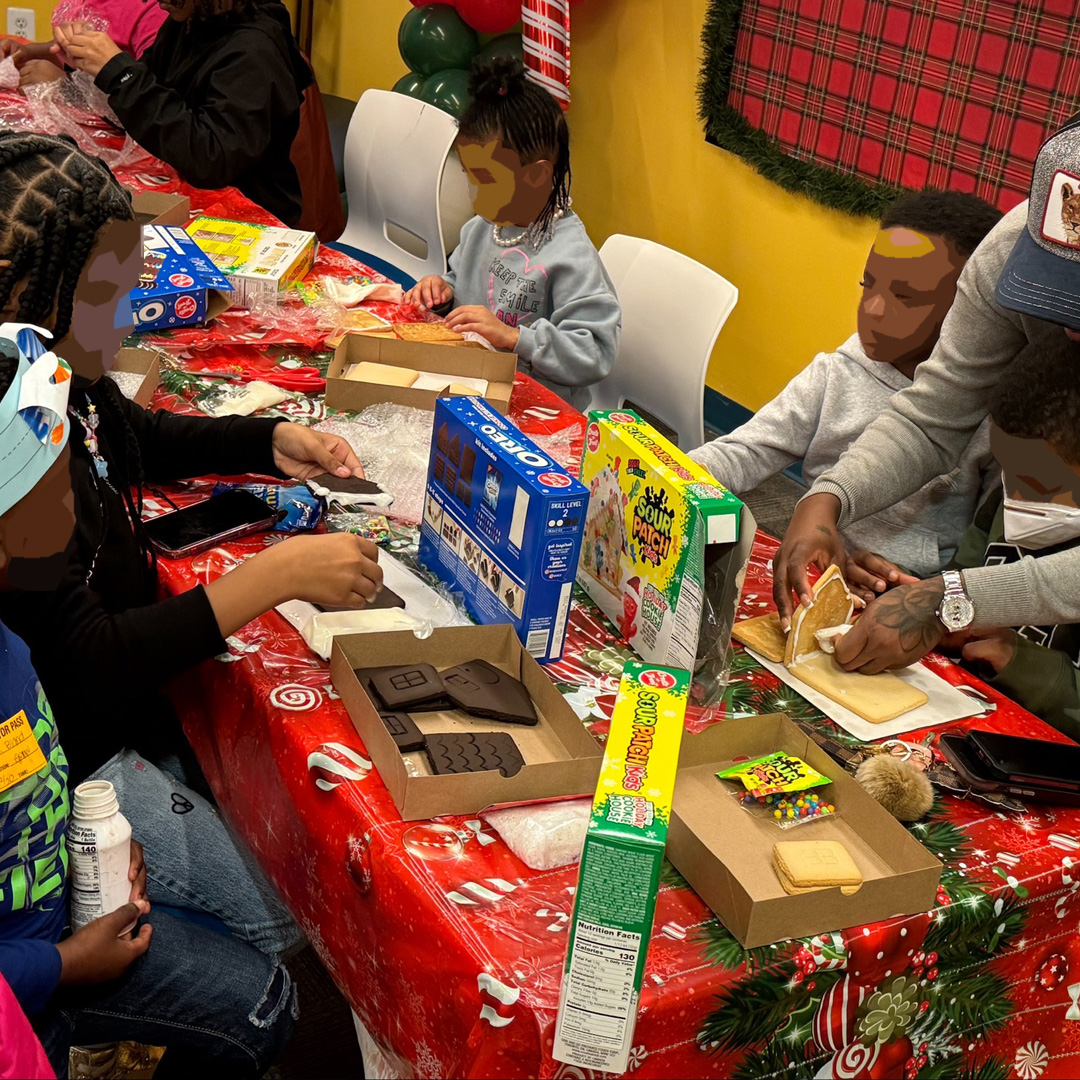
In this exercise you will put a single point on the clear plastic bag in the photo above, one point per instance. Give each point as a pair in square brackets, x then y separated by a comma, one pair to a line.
[544, 836]
[394, 444]
[787, 811]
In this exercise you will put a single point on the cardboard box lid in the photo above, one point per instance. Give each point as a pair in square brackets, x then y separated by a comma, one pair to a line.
[725, 852]
[160, 208]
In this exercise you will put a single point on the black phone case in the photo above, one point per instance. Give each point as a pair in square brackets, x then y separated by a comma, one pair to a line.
[962, 757]
[1045, 774]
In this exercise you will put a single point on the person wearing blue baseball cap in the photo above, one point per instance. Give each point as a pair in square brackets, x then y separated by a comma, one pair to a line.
[102, 642]
[1021, 288]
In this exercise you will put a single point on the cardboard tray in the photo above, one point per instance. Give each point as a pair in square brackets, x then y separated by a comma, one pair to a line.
[144, 363]
[498, 368]
[725, 852]
[160, 208]
[562, 758]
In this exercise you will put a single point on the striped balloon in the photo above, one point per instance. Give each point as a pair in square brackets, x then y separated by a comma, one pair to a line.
[546, 41]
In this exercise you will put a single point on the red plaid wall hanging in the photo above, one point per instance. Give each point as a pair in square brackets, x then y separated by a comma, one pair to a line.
[849, 101]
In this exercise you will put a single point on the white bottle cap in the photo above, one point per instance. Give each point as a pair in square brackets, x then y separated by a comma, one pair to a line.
[94, 801]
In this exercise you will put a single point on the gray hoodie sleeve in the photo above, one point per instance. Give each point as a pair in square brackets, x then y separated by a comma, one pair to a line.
[929, 425]
[776, 436]
[577, 343]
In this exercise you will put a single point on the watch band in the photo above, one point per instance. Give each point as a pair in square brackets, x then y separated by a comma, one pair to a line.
[954, 583]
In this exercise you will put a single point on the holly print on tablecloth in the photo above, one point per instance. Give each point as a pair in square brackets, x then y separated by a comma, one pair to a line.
[907, 998]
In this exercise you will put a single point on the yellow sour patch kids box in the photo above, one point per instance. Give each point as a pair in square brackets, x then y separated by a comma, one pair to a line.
[259, 260]
[619, 875]
[665, 547]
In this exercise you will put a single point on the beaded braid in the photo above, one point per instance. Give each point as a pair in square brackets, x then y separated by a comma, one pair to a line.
[528, 119]
[54, 202]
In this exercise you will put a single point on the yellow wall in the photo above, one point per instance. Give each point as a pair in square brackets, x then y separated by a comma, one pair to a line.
[642, 166]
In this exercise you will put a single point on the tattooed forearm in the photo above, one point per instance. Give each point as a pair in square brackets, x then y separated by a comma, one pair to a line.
[912, 613]
[824, 529]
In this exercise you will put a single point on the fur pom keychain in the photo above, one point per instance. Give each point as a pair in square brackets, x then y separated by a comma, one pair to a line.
[899, 786]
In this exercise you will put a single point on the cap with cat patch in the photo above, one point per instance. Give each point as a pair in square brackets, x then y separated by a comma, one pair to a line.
[1042, 274]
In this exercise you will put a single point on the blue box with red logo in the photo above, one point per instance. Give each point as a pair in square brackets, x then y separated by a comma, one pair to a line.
[502, 524]
[179, 285]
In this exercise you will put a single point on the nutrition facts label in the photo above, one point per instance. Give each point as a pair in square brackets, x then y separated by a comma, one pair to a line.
[599, 1000]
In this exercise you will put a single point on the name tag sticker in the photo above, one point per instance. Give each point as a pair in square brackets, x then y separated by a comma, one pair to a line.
[20, 754]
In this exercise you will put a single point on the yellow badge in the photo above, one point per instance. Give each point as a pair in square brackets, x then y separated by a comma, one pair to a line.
[20, 755]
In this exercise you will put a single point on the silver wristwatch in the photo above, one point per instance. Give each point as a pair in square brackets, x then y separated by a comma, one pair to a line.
[957, 612]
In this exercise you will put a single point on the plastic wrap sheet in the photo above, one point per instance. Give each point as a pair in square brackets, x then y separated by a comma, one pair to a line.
[544, 836]
[393, 442]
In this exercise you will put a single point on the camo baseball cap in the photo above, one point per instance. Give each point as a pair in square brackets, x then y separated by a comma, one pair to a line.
[1042, 275]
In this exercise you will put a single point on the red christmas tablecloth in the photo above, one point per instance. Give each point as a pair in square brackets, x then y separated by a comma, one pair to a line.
[450, 950]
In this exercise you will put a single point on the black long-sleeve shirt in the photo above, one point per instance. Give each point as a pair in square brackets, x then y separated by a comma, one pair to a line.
[219, 100]
[104, 648]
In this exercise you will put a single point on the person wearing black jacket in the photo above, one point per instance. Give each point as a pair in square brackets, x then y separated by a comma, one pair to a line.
[103, 644]
[217, 95]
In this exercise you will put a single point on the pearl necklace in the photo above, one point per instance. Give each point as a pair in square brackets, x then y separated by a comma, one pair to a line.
[530, 233]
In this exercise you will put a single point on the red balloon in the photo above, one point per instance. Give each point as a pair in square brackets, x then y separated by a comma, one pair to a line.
[489, 16]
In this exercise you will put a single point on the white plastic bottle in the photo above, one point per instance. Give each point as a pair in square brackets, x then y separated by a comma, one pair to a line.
[99, 853]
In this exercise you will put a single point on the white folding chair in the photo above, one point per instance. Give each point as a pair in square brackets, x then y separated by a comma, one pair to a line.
[660, 372]
[408, 197]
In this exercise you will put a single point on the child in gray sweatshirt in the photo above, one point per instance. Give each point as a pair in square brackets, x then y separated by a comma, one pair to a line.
[908, 286]
[526, 276]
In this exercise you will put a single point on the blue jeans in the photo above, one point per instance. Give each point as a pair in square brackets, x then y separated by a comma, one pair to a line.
[219, 1006]
[210, 987]
[192, 860]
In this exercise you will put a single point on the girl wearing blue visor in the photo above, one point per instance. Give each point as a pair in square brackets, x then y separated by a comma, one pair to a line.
[102, 642]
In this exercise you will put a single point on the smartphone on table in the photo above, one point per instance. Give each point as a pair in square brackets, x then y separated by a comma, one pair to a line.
[1026, 768]
[217, 520]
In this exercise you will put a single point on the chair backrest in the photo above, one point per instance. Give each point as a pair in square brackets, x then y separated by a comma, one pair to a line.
[313, 157]
[660, 369]
[396, 152]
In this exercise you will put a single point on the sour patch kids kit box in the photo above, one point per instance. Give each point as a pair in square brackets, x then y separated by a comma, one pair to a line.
[502, 524]
[620, 871]
[664, 542]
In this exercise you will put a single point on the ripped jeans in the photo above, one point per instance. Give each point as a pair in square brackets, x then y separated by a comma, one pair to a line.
[210, 988]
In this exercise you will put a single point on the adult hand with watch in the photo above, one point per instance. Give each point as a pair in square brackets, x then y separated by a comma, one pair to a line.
[906, 623]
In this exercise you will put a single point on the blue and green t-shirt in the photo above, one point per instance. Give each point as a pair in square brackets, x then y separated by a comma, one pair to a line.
[33, 826]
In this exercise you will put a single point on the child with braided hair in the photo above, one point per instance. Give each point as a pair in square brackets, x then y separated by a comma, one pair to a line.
[102, 643]
[217, 95]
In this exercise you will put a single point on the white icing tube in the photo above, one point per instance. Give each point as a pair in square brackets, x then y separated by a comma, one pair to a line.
[826, 638]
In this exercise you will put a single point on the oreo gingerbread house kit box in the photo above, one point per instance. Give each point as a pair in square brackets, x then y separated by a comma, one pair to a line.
[502, 524]
[665, 548]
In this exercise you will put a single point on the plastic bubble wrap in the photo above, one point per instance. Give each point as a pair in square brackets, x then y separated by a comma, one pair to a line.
[128, 382]
[393, 443]
[544, 836]
[9, 74]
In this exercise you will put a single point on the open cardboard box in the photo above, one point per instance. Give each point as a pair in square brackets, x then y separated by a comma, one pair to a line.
[160, 208]
[142, 362]
[561, 757]
[725, 852]
[497, 368]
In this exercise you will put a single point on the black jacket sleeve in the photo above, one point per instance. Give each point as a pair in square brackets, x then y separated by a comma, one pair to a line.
[210, 142]
[177, 447]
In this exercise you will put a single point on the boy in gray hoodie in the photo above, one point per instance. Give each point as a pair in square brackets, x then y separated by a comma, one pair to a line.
[909, 283]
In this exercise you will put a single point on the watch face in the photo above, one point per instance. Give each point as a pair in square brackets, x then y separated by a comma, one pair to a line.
[957, 612]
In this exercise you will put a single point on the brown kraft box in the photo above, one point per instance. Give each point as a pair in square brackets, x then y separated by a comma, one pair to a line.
[160, 208]
[561, 758]
[725, 852]
[497, 368]
[142, 362]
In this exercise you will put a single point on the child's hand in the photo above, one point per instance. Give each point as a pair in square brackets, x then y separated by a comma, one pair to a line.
[137, 873]
[34, 72]
[868, 575]
[300, 452]
[98, 953]
[474, 319]
[429, 292]
[332, 570]
[994, 647]
[85, 49]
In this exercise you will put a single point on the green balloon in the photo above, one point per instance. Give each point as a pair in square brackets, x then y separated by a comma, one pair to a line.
[503, 45]
[434, 38]
[410, 85]
[448, 90]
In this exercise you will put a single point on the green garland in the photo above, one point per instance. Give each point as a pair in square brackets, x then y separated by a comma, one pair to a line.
[727, 128]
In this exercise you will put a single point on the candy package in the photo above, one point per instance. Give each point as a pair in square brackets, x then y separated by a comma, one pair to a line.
[303, 510]
[781, 788]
